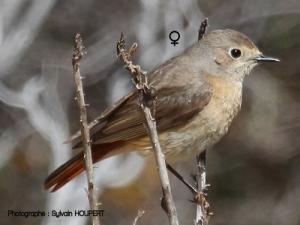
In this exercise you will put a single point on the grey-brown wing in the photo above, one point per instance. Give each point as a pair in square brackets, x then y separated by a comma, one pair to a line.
[180, 94]
[174, 106]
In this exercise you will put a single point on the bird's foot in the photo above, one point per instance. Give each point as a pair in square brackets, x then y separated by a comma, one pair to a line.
[200, 199]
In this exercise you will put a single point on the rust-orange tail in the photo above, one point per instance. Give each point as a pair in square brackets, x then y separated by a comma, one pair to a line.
[75, 166]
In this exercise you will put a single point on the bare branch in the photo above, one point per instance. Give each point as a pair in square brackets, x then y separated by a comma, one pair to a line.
[145, 93]
[202, 211]
[88, 161]
[202, 29]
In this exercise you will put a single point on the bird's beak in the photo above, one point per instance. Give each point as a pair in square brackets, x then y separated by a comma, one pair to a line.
[262, 58]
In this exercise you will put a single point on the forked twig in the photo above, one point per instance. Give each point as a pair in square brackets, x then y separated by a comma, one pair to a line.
[146, 93]
[88, 161]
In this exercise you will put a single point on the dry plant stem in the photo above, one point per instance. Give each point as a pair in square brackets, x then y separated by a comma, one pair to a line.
[202, 29]
[202, 209]
[88, 161]
[145, 94]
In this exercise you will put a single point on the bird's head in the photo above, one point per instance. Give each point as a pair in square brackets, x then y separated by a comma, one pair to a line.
[233, 53]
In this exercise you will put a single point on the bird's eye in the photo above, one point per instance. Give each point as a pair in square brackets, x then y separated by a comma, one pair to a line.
[235, 53]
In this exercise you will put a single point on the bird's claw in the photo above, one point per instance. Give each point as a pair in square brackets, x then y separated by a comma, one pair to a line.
[200, 198]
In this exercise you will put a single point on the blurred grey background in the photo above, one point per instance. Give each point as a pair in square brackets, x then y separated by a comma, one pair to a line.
[254, 170]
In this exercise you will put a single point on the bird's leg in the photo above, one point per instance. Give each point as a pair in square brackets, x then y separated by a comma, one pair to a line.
[199, 191]
[181, 178]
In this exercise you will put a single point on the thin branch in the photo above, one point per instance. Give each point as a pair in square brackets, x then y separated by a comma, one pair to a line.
[138, 216]
[146, 93]
[202, 29]
[202, 211]
[88, 161]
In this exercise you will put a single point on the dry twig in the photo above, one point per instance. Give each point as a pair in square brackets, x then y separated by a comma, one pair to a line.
[146, 93]
[202, 211]
[202, 29]
[88, 161]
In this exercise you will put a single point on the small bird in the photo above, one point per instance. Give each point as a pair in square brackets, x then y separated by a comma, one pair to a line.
[198, 94]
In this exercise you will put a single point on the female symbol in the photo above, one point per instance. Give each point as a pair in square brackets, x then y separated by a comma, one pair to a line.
[175, 38]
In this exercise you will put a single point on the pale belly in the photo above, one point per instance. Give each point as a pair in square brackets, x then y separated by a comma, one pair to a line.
[201, 133]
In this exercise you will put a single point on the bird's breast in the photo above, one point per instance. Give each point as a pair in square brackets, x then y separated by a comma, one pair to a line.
[209, 125]
[223, 107]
